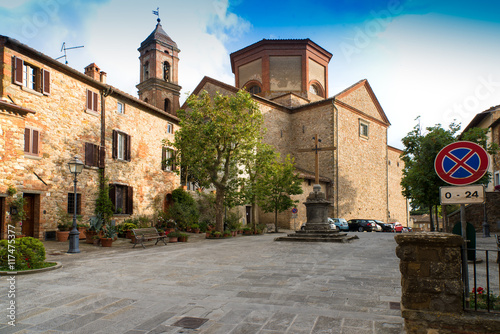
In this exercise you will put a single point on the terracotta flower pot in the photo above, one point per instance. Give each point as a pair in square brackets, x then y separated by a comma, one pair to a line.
[82, 233]
[172, 239]
[182, 239]
[106, 242]
[62, 235]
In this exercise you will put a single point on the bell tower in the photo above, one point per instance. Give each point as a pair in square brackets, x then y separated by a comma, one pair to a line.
[159, 75]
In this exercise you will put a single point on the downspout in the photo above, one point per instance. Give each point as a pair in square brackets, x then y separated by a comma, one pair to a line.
[336, 157]
[102, 154]
[387, 212]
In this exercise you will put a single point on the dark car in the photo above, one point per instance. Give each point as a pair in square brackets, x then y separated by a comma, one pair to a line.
[361, 225]
[385, 227]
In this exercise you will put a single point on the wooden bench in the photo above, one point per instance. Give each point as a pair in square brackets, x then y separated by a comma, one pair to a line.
[145, 234]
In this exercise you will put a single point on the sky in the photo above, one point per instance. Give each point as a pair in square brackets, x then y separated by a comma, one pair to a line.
[433, 59]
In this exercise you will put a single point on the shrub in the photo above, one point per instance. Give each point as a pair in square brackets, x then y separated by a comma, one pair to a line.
[29, 253]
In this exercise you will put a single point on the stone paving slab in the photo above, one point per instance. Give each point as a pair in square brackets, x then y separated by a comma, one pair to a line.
[247, 284]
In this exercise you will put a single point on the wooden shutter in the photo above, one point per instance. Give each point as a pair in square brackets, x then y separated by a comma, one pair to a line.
[89, 156]
[163, 158]
[174, 159]
[45, 82]
[114, 152]
[27, 133]
[127, 148]
[130, 200]
[18, 71]
[112, 195]
[89, 100]
[78, 204]
[102, 156]
[35, 139]
[95, 101]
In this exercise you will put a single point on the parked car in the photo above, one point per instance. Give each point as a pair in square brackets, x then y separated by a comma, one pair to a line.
[385, 227]
[398, 228]
[333, 227]
[341, 223]
[361, 225]
[376, 226]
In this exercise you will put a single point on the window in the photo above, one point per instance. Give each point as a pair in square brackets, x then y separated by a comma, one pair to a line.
[255, 89]
[145, 69]
[121, 146]
[31, 141]
[120, 108]
[166, 106]
[71, 203]
[497, 178]
[363, 128]
[166, 71]
[170, 128]
[94, 156]
[30, 76]
[167, 159]
[92, 100]
[314, 89]
[122, 197]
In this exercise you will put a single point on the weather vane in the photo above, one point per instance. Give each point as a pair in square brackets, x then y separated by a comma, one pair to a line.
[64, 48]
[157, 13]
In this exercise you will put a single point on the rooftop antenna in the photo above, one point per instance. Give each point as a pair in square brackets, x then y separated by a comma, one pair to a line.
[157, 13]
[65, 48]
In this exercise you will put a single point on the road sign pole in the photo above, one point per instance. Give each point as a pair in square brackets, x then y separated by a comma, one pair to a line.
[465, 268]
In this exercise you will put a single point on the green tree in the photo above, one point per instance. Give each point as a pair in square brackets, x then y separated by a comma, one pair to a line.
[420, 182]
[275, 186]
[214, 138]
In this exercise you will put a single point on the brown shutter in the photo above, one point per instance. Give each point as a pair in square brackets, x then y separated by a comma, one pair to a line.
[114, 151]
[174, 160]
[18, 71]
[88, 154]
[112, 195]
[36, 136]
[163, 158]
[45, 82]
[130, 200]
[27, 133]
[102, 156]
[95, 101]
[89, 100]
[128, 146]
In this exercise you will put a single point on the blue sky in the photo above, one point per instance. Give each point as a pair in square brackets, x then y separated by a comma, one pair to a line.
[434, 59]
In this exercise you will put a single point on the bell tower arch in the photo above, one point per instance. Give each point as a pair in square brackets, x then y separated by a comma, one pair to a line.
[159, 75]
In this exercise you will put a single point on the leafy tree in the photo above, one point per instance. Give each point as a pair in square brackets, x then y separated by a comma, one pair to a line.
[420, 182]
[276, 184]
[214, 138]
[184, 210]
[103, 204]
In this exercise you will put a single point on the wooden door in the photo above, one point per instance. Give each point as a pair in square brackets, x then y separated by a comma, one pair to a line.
[28, 227]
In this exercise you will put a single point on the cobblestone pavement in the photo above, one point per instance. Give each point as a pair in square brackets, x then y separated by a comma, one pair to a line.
[246, 284]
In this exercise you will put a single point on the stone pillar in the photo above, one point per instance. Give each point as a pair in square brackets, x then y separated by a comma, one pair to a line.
[317, 210]
[431, 280]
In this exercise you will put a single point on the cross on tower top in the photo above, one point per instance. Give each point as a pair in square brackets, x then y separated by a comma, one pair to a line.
[316, 149]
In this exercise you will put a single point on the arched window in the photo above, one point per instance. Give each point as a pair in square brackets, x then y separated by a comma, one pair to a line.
[166, 71]
[167, 105]
[146, 100]
[146, 70]
[314, 89]
[255, 89]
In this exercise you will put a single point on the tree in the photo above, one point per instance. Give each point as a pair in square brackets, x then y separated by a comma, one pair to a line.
[276, 184]
[214, 138]
[420, 182]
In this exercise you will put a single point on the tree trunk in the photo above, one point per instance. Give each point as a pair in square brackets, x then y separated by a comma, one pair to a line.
[430, 216]
[254, 213]
[219, 210]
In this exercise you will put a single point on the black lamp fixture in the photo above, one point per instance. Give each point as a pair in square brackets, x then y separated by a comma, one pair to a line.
[75, 168]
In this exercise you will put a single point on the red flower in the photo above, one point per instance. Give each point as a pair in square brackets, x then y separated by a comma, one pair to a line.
[480, 290]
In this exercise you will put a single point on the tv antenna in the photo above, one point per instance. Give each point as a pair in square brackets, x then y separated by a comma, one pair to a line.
[64, 48]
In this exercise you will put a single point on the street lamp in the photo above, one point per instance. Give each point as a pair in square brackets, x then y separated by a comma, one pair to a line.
[75, 167]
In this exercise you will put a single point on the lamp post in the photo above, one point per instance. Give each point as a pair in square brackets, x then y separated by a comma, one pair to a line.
[75, 167]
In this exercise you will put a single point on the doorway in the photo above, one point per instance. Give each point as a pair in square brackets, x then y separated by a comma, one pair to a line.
[3, 232]
[28, 227]
[248, 216]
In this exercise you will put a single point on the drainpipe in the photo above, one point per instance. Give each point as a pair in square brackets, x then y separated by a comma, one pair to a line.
[102, 150]
[336, 155]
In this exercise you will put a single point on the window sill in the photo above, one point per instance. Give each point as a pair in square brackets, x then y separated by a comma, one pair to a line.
[121, 160]
[92, 112]
[33, 157]
[29, 90]
[363, 137]
[91, 167]
[122, 215]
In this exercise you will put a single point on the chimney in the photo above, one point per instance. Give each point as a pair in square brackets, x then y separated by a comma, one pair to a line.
[103, 77]
[93, 71]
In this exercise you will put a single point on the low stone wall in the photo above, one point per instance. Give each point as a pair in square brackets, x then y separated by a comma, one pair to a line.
[432, 288]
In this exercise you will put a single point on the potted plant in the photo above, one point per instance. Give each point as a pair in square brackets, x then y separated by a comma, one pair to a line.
[226, 234]
[128, 227]
[95, 227]
[216, 234]
[109, 234]
[247, 230]
[183, 237]
[195, 228]
[173, 236]
[63, 233]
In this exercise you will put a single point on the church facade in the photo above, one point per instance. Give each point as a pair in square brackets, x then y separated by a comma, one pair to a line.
[289, 82]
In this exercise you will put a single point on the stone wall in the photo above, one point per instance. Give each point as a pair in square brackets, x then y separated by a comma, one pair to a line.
[474, 213]
[432, 288]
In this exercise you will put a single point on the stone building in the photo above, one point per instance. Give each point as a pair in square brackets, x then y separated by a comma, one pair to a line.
[50, 113]
[289, 81]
